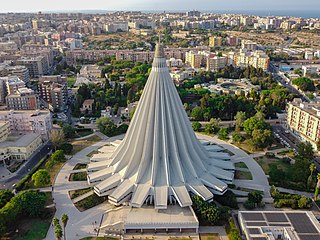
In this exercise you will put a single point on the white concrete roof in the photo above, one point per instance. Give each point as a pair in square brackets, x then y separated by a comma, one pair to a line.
[160, 155]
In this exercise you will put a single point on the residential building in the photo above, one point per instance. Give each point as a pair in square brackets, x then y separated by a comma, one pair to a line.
[19, 147]
[9, 47]
[308, 55]
[4, 130]
[37, 66]
[196, 59]
[21, 71]
[117, 26]
[28, 121]
[54, 90]
[91, 71]
[249, 45]
[74, 43]
[87, 106]
[257, 59]
[215, 63]
[172, 62]
[232, 41]
[193, 13]
[215, 41]
[304, 120]
[23, 99]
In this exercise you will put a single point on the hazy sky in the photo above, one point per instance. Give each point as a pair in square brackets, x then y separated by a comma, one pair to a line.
[51, 5]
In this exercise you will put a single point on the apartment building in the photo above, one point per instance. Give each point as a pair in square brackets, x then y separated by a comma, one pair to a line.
[215, 41]
[304, 120]
[117, 26]
[249, 45]
[37, 66]
[257, 59]
[214, 63]
[23, 99]
[28, 121]
[54, 90]
[20, 71]
[91, 71]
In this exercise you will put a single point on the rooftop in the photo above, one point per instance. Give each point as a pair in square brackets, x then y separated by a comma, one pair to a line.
[19, 140]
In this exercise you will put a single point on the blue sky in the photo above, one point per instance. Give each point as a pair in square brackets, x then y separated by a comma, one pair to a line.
[51, 5]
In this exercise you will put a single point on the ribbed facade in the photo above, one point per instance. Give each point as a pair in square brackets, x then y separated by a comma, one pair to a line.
[160, 161]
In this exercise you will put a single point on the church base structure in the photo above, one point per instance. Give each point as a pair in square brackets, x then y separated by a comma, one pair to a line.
[147, 220]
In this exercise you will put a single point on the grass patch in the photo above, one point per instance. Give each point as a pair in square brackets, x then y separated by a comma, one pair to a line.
[240, 165]
[37, 230]
[229, 152]
[276, 145]
[80, 166]
[288, 153]
[71, 81]
[84, 133]
[265, 161]
[92, 153]
[76, 193]
[243, 175]
[80, 176]
[89, 202]
[78, 145]
[209, 236]
[245, 146]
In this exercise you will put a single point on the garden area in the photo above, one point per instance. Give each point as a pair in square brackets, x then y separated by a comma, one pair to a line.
[80, 176]
[243, 175]
[79, 145]
[89, 202]
[209, 236]
[77, 193]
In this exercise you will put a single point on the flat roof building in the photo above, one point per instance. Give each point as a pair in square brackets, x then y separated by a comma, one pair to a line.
[271, 225]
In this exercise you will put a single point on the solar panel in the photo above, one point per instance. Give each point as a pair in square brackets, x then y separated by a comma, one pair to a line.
[276, 217]
[253, 216]
[259, 238]
[257, 224]
[254, 230]
[279, 224]
[309, 237]
[301, 223]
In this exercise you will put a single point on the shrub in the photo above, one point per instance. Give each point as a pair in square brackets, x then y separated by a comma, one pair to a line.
[228, 199]
[41, 178]
[249, 205]
[196, 126]
[5, 196]
[66, 148]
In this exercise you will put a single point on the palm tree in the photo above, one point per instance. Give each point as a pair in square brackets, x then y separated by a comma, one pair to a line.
[316, 192]
[58, 232]
[55, 222]
[64, 220]
[312, 168]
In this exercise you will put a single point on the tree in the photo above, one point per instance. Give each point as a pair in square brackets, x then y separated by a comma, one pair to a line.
[41, 178]
[212, 126]
[58, 232]
[312, 168]
[261, 138]
[64, 220]
[106, 126]
[66, 148]
[196, 126]
[236, 137]
[305, 84]
[316, 192]
[240, 118]
[223, 133]
[68, 131]
[58, 156]
[197, 114]
[253, 123]
[56, 137]
[255, 197]
[5, 196]
[305, 150]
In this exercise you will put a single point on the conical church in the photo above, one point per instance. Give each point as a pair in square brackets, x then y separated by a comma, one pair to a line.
[160, 161]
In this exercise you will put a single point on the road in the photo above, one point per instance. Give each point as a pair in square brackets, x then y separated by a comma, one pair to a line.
[279, 78]
[31, 163]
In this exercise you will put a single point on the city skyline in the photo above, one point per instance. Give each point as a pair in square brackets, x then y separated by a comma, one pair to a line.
[157, 5]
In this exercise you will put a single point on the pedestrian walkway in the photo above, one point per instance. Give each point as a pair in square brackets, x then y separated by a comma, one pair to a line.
[80, 224]
[259, 179]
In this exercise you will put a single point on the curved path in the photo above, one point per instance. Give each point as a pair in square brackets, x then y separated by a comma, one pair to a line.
[80, 224]
[259, 179]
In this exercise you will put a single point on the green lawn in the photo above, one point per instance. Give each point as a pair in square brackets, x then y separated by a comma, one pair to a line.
[76, 193]
[38, 230]
[84, 133]
[241, 165]
[264, 162]
[80, 176]
[98, 238]
[89, 202]
[71, 81]
[243, 175]
[80, 166]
